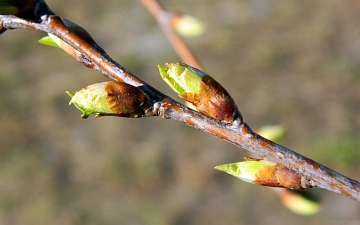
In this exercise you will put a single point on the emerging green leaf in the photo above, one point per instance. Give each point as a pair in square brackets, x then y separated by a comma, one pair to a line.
[49, 40]
[246, 171]
[91, 100]
[180, 78]
[54, 41]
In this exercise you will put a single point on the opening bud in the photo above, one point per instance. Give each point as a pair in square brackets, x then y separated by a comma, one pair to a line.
[265, 173]
[110, 99]
[52, 40]
[200, 89]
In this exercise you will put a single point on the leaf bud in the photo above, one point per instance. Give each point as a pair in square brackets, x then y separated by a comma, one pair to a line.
[52, 40]
[110, 98]
[265, 173]
[200, 89]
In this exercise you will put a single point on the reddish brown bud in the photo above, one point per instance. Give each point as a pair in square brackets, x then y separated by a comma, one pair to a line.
[212, 100]
[111, 98]
[198, 88]
[278, 176]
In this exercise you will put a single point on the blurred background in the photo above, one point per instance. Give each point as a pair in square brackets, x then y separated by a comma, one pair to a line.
[291, 63]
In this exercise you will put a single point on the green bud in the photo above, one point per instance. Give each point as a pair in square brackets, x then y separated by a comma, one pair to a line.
[265, 173]
[110, 98]
[91, 100]
[246, 171]
[201, 90]
[180, 78]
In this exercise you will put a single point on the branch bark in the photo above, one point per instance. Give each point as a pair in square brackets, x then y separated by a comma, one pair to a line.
[238, 133]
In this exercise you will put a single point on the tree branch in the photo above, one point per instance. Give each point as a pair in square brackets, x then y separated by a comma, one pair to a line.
[238, 133]
[164, 19]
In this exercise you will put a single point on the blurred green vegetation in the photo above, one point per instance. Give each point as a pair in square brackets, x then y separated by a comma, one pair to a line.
[294, 63]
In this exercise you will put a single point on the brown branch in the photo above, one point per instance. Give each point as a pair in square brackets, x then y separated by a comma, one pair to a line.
[238, 133]
[164, 19]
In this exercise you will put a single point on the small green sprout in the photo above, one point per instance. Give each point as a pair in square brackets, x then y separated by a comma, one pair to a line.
[246, 170]
[180, 78]
[91, 100]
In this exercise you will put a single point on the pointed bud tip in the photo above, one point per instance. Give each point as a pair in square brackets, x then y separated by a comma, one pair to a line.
[224, 167]
[70, 93]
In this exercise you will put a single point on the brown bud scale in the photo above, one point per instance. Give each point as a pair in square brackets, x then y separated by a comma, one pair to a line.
[288, 178]
[213, 100]
[126, 100]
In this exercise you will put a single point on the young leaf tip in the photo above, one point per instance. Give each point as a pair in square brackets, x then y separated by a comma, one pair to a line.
[47, 40]
[180, 78]
[71, 94]
[246, 170]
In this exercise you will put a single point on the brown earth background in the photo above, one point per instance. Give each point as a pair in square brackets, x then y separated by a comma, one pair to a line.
[288, 62]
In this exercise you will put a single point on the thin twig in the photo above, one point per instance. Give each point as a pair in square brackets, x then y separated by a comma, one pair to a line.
[237, 133]
[164, 19]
